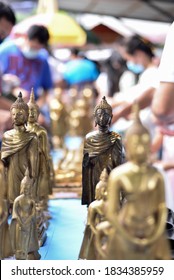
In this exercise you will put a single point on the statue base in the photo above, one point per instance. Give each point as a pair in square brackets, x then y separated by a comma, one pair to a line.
[34, 256]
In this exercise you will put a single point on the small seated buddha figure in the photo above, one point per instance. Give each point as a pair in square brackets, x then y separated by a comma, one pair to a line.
[96, 214]
[136, 209]
[23, 227]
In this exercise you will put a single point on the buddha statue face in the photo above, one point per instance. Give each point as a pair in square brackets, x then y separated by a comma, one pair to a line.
[33, 114]
[138, 147]
[19, 116]
[98, 194]
[103, 117]
[26, 186]
[26, 190]
[100, 191]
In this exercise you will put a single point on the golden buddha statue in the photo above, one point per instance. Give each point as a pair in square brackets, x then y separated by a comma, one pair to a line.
[19, 149]
[59, 119]
[136, 207]
[80, 120]
[23, 228]
[69, 167]
[96, 214]
[44, 166]
[102, 149]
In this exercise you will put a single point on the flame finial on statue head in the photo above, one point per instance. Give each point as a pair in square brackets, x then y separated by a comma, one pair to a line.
[32, 102]
[103, 105]
[26, 182]
[32, 97]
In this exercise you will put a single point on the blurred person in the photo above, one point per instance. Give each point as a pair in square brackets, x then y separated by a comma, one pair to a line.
[163, 101]
[163, 156]
[127, 80]
[140, 60]
[116, 67]
[56, 66]
[7, 21]
[111, 70]
[160, 98]
[140, 57]
[79, 70]
[24, 65]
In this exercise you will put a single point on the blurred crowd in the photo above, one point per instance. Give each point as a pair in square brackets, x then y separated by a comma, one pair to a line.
[131, 73]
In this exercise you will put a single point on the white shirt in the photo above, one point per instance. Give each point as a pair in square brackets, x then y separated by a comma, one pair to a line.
[166, 67]
[149, 78]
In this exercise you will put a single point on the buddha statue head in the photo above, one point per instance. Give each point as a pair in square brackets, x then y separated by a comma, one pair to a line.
[103, 113]
[101, 187]
[33, 108]
[26, 184]
[19, 111]
[137, 139]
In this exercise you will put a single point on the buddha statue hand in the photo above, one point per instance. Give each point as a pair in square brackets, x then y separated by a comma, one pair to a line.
[102, 231]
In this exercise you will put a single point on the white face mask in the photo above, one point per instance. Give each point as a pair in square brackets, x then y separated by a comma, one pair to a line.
[30, 53]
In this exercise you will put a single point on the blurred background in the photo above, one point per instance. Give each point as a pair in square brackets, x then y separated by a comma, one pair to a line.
[85, 63]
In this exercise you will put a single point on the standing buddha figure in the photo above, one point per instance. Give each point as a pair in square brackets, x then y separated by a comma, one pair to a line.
[96, 214]
[102, 149]
[43, 180]
[19, 150]
[59, 119]
[23, 228]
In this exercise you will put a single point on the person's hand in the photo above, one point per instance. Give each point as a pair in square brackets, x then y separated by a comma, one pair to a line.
[10, 78]
[122, 112]
[9, 82]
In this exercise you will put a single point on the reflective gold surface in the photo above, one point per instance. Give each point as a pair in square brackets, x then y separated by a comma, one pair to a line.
[19, 150]
[23, 225]
[136, 209]
[72, 115]
[96, 214]
[59, 119]
[102, 149]
[44, 167]
[69, 167]
[80, 116]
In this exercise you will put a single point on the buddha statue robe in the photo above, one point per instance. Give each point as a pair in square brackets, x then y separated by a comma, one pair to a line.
[101, 150]
[19, 151]
[43, 180]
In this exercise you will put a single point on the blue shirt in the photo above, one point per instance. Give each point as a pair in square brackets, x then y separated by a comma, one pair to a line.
[31, 72]
[80, 71]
